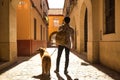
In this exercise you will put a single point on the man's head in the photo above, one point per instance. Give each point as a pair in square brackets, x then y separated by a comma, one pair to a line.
[67, 19]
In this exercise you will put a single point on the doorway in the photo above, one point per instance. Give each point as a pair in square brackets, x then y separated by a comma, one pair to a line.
[85, 31]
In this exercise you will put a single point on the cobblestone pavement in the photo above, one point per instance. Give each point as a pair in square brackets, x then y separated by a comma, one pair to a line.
[29, 68]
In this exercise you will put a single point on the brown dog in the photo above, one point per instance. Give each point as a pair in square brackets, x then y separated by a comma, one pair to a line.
[46, 61]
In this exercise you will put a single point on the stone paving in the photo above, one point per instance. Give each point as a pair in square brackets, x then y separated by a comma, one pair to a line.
[29, 68]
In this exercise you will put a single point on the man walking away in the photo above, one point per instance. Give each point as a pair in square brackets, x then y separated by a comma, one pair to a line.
[67, 44]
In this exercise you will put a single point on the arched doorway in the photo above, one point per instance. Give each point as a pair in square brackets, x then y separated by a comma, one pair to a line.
[88, 32]
[83, 28]
[52, 41]
[85, 32]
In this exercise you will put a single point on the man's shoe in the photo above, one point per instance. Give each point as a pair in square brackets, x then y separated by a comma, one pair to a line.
[56, 71]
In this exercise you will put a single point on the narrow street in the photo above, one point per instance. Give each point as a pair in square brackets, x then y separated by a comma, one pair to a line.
[29, 68]
[26, 25]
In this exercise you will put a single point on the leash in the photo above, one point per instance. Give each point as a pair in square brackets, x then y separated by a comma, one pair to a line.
[53, 52]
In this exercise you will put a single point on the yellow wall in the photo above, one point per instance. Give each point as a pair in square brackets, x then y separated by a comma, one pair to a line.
[29, 39]
[39, 23]
[23, 21]
[51, 27]
[103, 48]
[110, 43]
[8, 31]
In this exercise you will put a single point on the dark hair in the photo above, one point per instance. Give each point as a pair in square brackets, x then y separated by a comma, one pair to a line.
[67, 19]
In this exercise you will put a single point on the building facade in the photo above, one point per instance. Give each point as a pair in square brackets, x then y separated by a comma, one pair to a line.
[23, 28]
[55, 20]
[32, 26]
[96, 23]
[8, 32]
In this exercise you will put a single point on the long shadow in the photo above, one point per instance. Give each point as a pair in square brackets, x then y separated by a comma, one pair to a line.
[59, 76]
[68, 77]
[46, 77]
[19, 61]
[42, 77]
[115, 75]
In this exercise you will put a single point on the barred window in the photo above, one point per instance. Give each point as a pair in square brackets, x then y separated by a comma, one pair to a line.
[109, 16]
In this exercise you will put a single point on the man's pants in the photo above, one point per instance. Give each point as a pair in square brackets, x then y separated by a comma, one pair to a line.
[67, 51]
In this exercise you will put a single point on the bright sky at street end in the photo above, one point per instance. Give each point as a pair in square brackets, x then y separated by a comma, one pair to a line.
[56, 3]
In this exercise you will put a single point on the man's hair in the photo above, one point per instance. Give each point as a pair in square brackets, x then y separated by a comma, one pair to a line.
[67, 19]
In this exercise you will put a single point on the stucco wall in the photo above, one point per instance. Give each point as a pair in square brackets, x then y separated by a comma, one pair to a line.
[110, 44]
[103, 48]
[28, 38]
[39, 24]
[13, 31]
[23, 21]
[110, 54]
[8, 45]
[51, 26]
[4, 30]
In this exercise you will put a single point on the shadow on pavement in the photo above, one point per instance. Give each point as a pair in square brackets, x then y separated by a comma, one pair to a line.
[115, 75]
[19, 60]
[59, 76]
[42, 77]
[85, 64]
[68, 77]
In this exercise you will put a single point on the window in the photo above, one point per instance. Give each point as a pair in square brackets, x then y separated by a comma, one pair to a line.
[41, 32]
[44, 33]
[35, 28]
[109, 16]
[41, 4]
[56, 22]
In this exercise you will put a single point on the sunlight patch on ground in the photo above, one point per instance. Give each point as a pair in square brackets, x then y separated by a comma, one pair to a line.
[30, 69]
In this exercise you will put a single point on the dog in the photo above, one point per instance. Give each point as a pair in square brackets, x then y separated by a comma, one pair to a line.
[46, 61]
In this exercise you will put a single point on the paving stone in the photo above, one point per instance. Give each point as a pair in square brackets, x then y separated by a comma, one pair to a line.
[29, 68]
